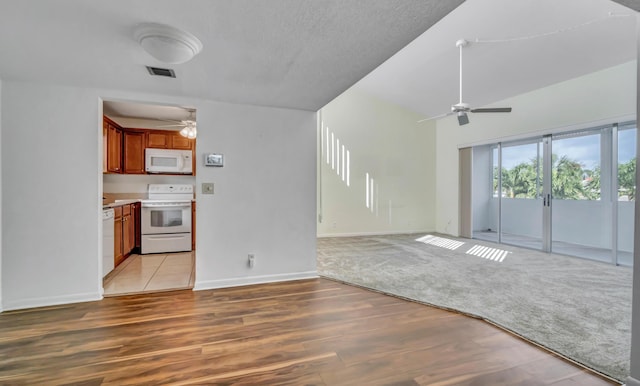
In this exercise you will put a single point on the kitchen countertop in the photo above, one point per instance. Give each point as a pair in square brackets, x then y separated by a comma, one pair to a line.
[117, 203]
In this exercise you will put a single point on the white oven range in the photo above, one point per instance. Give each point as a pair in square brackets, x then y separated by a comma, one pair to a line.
[166, 219]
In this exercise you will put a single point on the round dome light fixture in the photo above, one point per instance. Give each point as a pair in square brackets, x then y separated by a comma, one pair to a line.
[166, 43]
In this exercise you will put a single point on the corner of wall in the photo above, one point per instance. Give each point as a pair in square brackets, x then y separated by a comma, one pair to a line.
[632, 382]
[376, 168]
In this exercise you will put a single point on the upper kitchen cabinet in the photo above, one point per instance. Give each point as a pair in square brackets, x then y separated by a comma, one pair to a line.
[181, 143]
[134, 144]
[113, 134]
[166, 139]
[159, 139]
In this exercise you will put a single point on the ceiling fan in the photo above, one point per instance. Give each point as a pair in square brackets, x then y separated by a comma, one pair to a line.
[461, 109]
[188, 126]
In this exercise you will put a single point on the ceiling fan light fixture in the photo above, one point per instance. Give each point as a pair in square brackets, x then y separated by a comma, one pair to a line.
[166, 43]
[463, 118]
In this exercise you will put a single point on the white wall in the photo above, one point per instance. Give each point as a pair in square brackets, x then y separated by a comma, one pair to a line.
[52, 180]
[138, 183]
[384, 141]
[265, 195]
[1, 303]
[604, 95]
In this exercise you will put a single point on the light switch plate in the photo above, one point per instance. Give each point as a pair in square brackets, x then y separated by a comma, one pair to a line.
[207, 188]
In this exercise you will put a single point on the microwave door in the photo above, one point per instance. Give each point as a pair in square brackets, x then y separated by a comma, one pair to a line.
[164, 162]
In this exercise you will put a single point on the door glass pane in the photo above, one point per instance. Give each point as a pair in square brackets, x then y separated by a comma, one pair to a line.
[485, 193]
[521, 204]
[626, 192]
[581, 219]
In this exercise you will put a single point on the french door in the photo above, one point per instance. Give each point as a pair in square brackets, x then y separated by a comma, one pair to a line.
[570, 193]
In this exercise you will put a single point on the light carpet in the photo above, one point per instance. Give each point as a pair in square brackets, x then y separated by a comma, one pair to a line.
[575, 307]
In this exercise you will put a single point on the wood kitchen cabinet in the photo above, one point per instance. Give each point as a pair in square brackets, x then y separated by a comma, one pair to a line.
[168, 139]
[133, 145]
[159, 139]
[135, 212]
[117, 233]
[181, 143]
[125, 233]
[128, 231]
[114, 147]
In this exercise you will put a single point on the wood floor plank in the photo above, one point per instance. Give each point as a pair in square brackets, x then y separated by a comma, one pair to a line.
[316, 332]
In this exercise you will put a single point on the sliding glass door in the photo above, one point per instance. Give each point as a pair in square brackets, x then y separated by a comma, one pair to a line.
[625, 196]
[570, 193]
[580, 190]
[521, 177]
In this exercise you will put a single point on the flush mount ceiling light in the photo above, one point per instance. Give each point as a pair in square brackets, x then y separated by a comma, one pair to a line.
[166, 43]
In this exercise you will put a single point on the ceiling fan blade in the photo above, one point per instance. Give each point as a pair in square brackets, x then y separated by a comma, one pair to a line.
[436, 117]
[492, 110]
[178, 125]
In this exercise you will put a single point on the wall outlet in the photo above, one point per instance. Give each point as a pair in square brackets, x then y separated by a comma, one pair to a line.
[251, 260]
[207, 188]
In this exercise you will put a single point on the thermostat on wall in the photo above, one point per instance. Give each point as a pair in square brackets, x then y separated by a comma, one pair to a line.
[213, 160]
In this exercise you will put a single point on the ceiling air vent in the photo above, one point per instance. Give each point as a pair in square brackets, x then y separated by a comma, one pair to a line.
[161, 72]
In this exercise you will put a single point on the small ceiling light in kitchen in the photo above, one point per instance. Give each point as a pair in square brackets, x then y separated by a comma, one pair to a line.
[189, 130]
[166, 43]
[188, 125]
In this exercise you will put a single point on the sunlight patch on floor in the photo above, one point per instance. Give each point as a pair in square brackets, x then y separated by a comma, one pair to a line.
[441, 242]
[488, 253]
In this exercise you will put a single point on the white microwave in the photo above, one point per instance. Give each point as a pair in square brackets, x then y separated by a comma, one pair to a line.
[168, 161]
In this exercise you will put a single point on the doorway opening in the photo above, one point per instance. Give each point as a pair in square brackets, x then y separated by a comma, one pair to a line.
[138, 257]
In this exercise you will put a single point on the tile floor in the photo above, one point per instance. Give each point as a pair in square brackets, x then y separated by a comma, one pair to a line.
[151, 273]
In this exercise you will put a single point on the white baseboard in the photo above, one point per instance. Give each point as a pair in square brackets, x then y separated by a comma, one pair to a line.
[49, 301]
[242, 281]
[632, 382]
[381, 233]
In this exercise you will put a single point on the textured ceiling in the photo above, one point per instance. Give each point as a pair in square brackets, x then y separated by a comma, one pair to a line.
[287, 53]
[633, 4]
[542, 42]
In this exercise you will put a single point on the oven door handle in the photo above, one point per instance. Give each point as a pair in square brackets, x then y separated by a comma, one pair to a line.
[176, 205]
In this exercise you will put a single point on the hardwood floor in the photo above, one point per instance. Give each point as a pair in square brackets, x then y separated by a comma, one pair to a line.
[304, 332]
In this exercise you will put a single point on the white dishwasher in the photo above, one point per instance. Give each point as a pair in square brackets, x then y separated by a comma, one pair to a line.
[107, 241]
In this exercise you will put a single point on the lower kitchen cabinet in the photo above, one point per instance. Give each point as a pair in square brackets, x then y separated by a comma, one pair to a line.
[135, 212]
[125, 233]
[117, 236]
[128, 231]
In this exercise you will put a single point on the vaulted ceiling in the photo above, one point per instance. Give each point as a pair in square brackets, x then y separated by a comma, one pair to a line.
[514, 47]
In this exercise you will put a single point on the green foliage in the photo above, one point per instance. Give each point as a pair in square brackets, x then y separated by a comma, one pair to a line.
[569, 180]
[627, 179]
